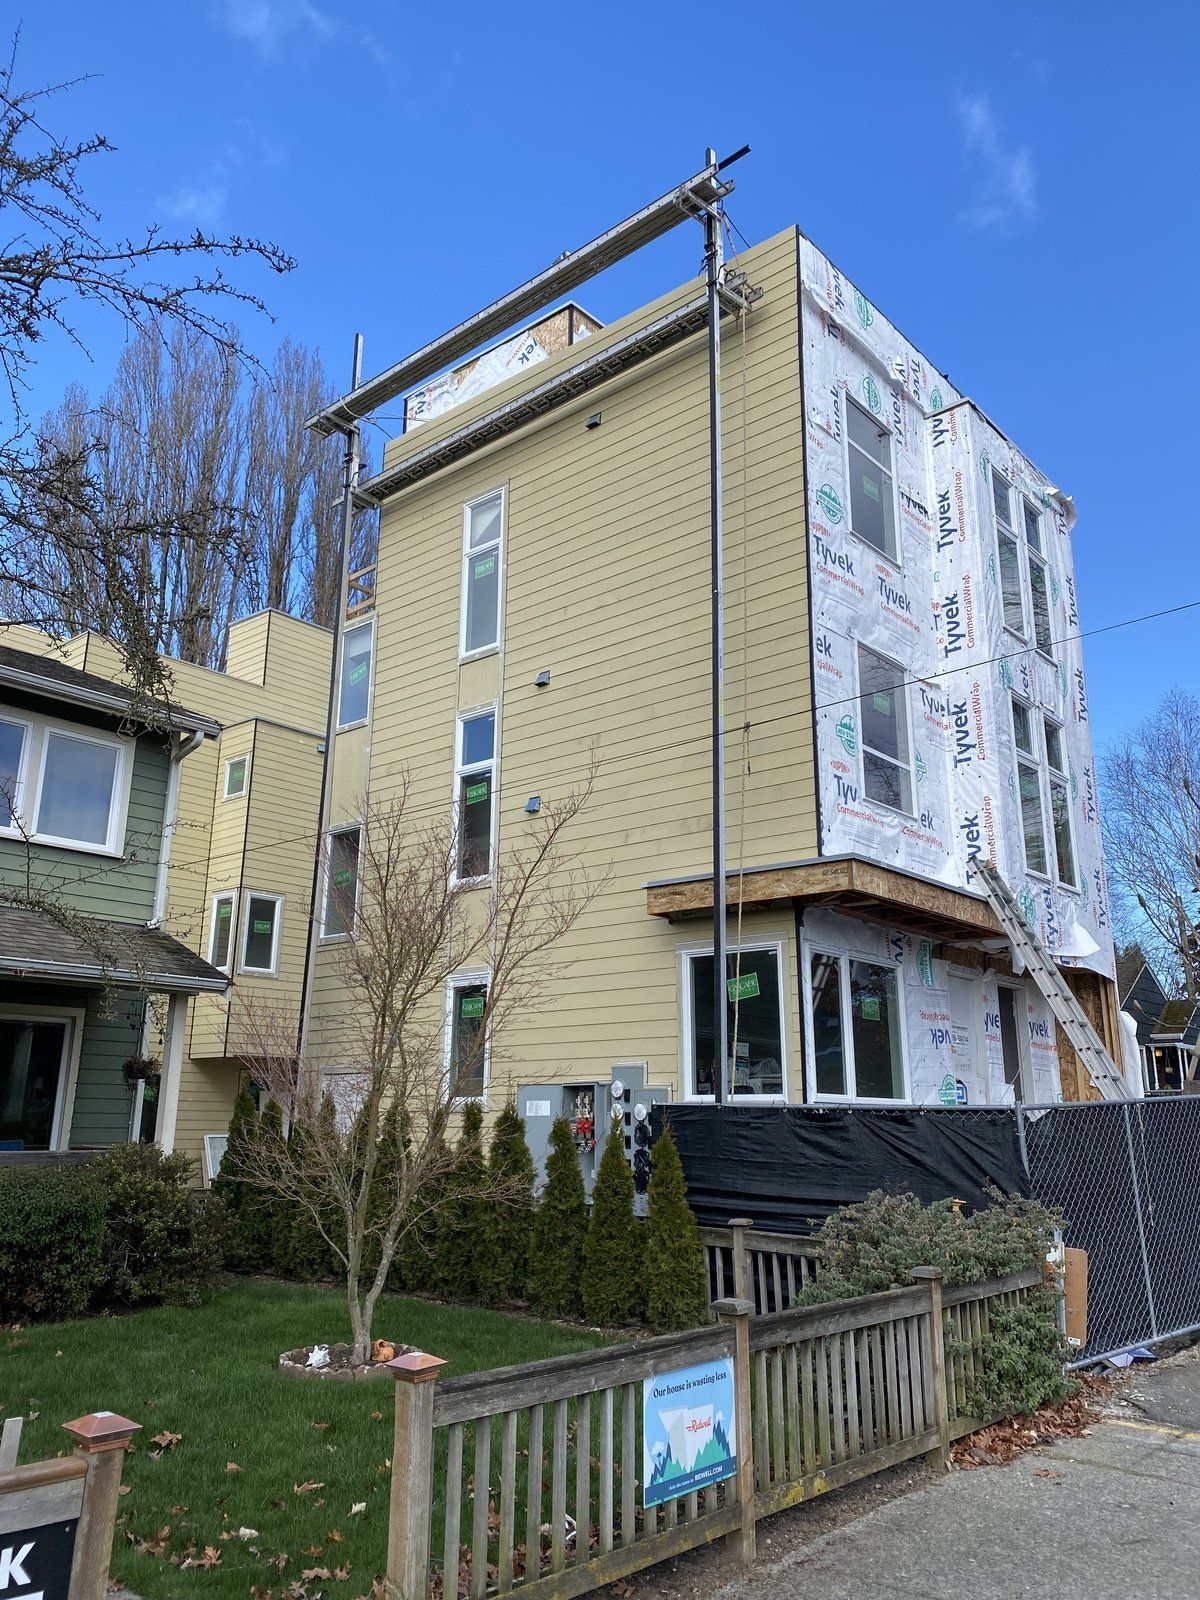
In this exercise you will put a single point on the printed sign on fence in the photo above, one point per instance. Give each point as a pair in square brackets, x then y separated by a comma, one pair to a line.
[688, 1436]
[37, 1561]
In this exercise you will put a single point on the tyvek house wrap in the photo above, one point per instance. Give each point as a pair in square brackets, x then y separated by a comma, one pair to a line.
[937, 612]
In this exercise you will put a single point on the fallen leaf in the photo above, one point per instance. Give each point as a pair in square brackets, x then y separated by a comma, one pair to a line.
[124, 1489]
[377, 1416]
[58, 1353]
[335, 1536]
[1045, 1472]
[232, 1466]
[177, 1511]
[316, 1572]
[257, 1593]
[311, 1550]
[210, 1558]
[342, 1573]
[279, 1562]
[307, 1486]
[166, 1440]
[320, 1426]
[359, 1505]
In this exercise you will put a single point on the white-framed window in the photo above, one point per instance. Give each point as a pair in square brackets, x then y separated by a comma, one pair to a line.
[215, 1145]
[885, 735]
[222, 921]
[1029, 788]
[474, 794]
[466, 1036]
[854, 1028]
[39, 1064]
[354, 676]
[340, 904]
[64, 785]
[1039, 579]
[754, 989]
[1059, 781]
[1008, 555]
[237, 777]
[872, 480]
[260, 934]
[482, 573]
[14, 761]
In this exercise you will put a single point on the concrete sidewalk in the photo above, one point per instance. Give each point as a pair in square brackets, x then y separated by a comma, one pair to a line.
[1113, 1516]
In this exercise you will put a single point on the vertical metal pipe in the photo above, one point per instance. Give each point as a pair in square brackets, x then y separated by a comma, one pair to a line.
[351, 463]
[713, 260]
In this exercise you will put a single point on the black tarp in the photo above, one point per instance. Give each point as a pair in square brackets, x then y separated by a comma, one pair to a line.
[788, 1167]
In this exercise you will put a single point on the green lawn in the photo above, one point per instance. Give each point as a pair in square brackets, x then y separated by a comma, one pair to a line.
[209, 1375]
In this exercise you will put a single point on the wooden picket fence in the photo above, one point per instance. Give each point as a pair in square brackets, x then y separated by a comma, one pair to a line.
[748, 1263]
[525, 1480]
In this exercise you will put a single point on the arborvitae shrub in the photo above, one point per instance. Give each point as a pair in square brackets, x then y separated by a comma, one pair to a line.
[559, 1231]
[676, 1272]
[613, 1288]
[246, 1210]
[299, 1248]
[508, 1230]
[458, 1242]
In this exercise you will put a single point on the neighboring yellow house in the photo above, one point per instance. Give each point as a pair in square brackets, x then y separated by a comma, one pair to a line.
[239, 879]
[543, 588]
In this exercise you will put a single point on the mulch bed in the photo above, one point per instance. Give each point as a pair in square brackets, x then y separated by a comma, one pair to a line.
[294, 1363]
[1013, 1436]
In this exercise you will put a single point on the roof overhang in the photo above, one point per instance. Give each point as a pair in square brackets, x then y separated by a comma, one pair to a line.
[41, 946]
[117, 702]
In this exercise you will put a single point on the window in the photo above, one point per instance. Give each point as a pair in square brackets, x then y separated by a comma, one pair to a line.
[854, 1028]
[1039, 579]
[13, 740]
[237, 771]
[872, 501]
[33, 1076]
[354, 688]
[883, 712]
[752, 989]
[483, 537]
[1029, 789]
[78, 796]
[468, 1040]
[1060, 804]
[341, 883]
[474, 773]
[1010, 1040]
[1009, 556]
[260, 935]
[215, 1145]
[220, 934]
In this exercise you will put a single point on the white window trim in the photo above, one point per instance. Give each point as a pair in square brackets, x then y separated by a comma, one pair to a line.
[1017, 535]
[340, 938]
[501, 551]
[901, 690]
[1040, 760]
[239, 794]
[687, 955]
[38, 731]
[1057, 775]
[1008, 1095]
[210, 1171]
[457, 981]
[884, 427]
[219, 895]
[1043, 561]
[811, 947]
[12, 830]
[460, 770]
[68, 1072]
[356, 722]
[247, 895]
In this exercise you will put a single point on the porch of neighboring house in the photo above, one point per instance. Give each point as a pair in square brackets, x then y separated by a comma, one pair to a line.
[75, 1007]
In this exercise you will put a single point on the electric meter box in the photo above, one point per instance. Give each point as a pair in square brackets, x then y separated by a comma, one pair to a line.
[591, 1109]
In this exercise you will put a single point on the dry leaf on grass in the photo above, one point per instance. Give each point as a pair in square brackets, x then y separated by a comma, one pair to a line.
[357, 1507]
[316, 1572]
[307, 1486]
[166, 1440]
[232, 1466]
[320, 1426]
[210, 1558]
[342, 1573]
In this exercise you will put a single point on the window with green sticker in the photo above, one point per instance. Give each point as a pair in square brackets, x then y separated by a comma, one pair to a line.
[341, 886]
[872, 501]
[354, 696]
[260, 937]
[753, 1022]
[475, 771]
[853, 1013]
[483, 537]
[220, 939]
[237, 770]
[468, 1045]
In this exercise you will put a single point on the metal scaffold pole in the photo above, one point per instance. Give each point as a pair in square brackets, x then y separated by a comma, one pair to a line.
[713, 262]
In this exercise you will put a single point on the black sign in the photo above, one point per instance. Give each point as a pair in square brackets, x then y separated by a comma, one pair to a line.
[36, 1563]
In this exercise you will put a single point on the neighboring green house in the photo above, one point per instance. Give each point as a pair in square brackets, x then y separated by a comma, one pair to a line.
[89, 783]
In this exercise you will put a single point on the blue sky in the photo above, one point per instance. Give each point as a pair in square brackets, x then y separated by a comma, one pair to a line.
[1014, 185]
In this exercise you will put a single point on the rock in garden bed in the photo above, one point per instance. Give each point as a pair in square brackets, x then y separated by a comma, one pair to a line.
[333, 1361]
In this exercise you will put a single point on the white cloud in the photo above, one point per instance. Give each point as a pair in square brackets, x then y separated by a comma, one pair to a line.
[271, 25]
[200, 204]
[1005, 173]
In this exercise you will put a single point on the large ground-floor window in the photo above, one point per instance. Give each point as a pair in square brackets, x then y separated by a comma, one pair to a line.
[753, 1019]
[852, 1012]
[33, 1081]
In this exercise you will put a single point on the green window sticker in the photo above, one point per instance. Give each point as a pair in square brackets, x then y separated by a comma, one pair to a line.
[471, 1006]
[870, 1008]
[484, 567]
[224, 911]
[341, 879]
[261, 925]
[743, 988]
[870, 487]
[882, 703]
[476, 792]
[357, 673]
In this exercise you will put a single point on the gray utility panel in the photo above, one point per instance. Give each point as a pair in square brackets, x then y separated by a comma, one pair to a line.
[591, 1108]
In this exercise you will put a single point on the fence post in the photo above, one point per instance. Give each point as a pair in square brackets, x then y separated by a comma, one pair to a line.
[736, 1313]
[101, 1438]
[741, 1262]
[937, 1397]
[412, 1476]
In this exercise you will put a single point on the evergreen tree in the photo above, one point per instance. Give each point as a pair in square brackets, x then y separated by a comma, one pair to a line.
[559, 1231]
[298, 1248]
[676, 1271]
[613, 1291]
[508, 1230]
[461, 1217]
[247, 1211]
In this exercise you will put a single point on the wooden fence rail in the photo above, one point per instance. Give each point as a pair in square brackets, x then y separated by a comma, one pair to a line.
[529, 1480]
[748, 1263]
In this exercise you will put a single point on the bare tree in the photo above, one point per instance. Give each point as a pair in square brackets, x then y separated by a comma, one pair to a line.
[416, 927]
[1150, 792]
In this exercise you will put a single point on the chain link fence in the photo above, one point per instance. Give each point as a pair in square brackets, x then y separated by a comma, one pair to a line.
[1126, 1176]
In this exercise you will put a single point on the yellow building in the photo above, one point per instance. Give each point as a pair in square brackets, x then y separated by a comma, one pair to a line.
[240, 848]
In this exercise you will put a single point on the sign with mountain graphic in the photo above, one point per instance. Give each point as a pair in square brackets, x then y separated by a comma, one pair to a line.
[687, 1430]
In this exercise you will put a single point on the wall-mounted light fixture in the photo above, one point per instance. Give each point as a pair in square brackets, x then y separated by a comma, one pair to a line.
[533, 804]
[542, 681]
[594, 420]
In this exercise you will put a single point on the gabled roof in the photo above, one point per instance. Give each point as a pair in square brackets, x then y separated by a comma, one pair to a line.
[38, 674]
[85, 950]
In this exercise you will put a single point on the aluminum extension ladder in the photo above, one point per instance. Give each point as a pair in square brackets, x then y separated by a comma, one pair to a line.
[1085, 1041]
